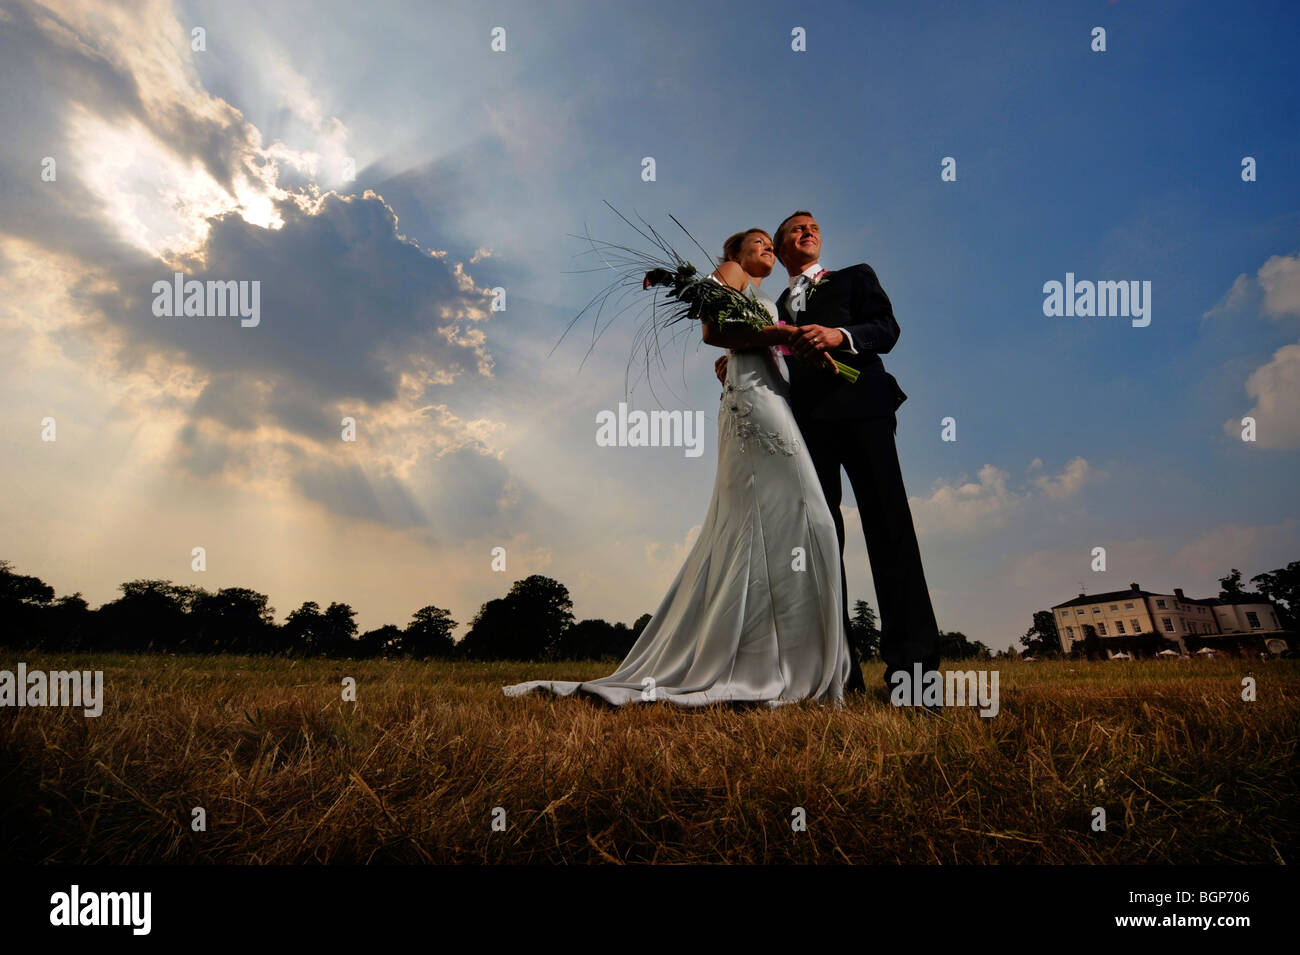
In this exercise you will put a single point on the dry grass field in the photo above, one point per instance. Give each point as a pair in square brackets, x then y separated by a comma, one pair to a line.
[1186, 771]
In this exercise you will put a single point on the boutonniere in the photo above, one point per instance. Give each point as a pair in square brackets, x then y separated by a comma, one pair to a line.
[802, 295]
[818, 281]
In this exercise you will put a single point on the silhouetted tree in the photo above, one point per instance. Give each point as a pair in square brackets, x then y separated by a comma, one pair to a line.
[863, 633]
[494, 635]
[233, 620]
[955, 645]
[522, 625]
[1230, 586]
[339, 631]
[304, 629]
[1282, 587]
[150, 615]
[69, 624]
[22, 588]
[23, 602]
[593, 640]
[381, 642]
[429, 634]
[1042, 639]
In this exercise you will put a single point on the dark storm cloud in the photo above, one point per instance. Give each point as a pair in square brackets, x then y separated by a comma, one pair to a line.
[345, 306]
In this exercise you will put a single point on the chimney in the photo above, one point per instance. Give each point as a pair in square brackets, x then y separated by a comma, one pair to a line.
[1134, 587]
[1179, 592]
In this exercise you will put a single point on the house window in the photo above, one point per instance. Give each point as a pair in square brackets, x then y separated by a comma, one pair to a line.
[1065, 613]
[1252, 618]
[1137, 627]
[1114, 606]
[1160, 604]
[1070, 632]
[1119, 626]
[1079, 613]
[1169, 624]
[1096, 610]
[1101, 627]
[1186, 628]
[1128, 606]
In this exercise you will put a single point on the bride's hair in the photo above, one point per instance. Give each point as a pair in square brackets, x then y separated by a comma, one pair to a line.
[731, 248]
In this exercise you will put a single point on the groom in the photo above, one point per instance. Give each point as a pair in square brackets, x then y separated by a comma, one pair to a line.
[847, 313]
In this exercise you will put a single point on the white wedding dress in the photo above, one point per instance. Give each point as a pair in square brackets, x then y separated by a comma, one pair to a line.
[754, 613]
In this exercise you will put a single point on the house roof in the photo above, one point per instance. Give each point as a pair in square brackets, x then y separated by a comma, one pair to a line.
[1117, 595]
[1084, 599]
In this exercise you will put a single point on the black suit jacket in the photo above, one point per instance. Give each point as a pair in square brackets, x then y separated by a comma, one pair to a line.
[851, 299]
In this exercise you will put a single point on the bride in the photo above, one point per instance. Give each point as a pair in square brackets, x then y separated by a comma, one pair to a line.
[754, 614]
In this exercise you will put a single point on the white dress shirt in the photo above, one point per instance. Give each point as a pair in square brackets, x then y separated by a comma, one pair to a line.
[808, 273]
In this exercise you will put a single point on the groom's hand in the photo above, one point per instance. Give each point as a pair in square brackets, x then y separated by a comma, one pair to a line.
[810, 339]
[720, 369]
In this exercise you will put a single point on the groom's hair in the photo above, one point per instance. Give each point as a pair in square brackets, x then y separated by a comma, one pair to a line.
[779, 239]
[731, 247]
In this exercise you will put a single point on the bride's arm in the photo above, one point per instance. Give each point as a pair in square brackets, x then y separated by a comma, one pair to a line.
[734, 336]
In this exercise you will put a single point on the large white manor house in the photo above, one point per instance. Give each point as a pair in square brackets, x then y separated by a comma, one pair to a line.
[1126, 612]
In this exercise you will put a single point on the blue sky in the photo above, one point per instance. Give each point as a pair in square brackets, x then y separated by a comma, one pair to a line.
[1072, 432]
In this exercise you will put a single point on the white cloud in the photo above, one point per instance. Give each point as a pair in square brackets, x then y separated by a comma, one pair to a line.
[1274, 386]
[1279, 277]
[1275, 389]
[1274, 290]
[963, 506]
[1244, 287]
[1069, 482]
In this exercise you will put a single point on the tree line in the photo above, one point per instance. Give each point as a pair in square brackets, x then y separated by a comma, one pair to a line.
[533, 621]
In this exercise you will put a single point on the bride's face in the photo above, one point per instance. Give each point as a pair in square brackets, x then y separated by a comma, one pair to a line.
[756, 255]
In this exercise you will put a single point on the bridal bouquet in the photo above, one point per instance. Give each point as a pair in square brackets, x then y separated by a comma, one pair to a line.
[690, 295]
[704, 298]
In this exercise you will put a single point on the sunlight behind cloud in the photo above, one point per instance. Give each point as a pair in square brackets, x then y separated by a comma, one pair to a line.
[158, 203]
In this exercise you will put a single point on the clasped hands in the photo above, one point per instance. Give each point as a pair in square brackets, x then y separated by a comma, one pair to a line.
[809, 342]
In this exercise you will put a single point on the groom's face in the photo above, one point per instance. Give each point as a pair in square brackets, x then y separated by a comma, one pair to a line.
[801, 245]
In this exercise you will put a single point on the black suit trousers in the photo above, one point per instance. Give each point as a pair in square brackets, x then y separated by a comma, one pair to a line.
[864, 448]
